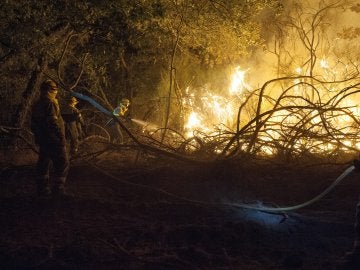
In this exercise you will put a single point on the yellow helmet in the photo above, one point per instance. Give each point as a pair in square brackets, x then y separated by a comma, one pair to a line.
[125, 102]
[73, 100]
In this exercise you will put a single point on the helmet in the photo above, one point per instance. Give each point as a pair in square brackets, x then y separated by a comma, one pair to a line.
[47, 86]
[125, 102]
[73, 100]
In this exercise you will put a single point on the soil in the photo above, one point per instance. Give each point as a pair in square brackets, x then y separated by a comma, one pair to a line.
[127, 210]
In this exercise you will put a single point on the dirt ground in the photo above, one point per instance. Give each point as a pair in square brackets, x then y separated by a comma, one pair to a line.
[163, 214]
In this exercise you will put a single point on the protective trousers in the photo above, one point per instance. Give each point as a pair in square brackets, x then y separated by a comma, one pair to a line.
[57, 157]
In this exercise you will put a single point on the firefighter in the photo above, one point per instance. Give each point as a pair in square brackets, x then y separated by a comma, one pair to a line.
[48, 128]
[73, 125]
[120, 111]
[123, 107]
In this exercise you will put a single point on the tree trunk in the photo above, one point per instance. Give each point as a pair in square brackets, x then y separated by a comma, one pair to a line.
[171, 82]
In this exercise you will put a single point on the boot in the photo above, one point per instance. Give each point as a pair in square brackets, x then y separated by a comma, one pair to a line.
[59, 188]
[43, 187]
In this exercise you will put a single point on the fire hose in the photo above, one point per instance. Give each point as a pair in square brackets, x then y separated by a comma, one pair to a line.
[238, 205]
[301, 205]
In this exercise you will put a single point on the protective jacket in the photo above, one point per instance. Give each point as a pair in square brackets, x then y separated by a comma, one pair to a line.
[48, 128]
[73, 125]
[47, 123]
[120, 110]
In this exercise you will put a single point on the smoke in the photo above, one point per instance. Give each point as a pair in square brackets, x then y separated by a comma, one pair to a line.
[337, 34]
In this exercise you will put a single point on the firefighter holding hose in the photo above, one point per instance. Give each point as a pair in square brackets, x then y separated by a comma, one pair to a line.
[121, 111]
[123, 108]
[73, 124]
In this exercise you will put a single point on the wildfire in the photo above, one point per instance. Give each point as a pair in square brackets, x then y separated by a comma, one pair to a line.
[211, 113]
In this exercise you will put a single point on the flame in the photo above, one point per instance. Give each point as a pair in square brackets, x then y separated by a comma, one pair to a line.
[238, 84]
[193, 121]
[324, 64]
[206, 111]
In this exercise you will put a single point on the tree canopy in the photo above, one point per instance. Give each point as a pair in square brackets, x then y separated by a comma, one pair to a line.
[129, 43]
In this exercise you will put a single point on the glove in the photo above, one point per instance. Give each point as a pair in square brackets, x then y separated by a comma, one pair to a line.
[127, 118]
[356, 163]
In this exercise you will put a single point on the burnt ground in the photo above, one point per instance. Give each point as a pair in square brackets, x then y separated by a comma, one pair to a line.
[163, 214]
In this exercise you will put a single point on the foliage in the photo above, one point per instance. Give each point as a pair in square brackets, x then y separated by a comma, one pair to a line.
[126, 40]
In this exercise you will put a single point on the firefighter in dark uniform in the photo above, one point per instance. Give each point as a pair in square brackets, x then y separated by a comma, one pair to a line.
[48, 128]
[73, 124]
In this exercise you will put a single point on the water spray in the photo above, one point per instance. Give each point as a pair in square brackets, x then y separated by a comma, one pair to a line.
[145, 125]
